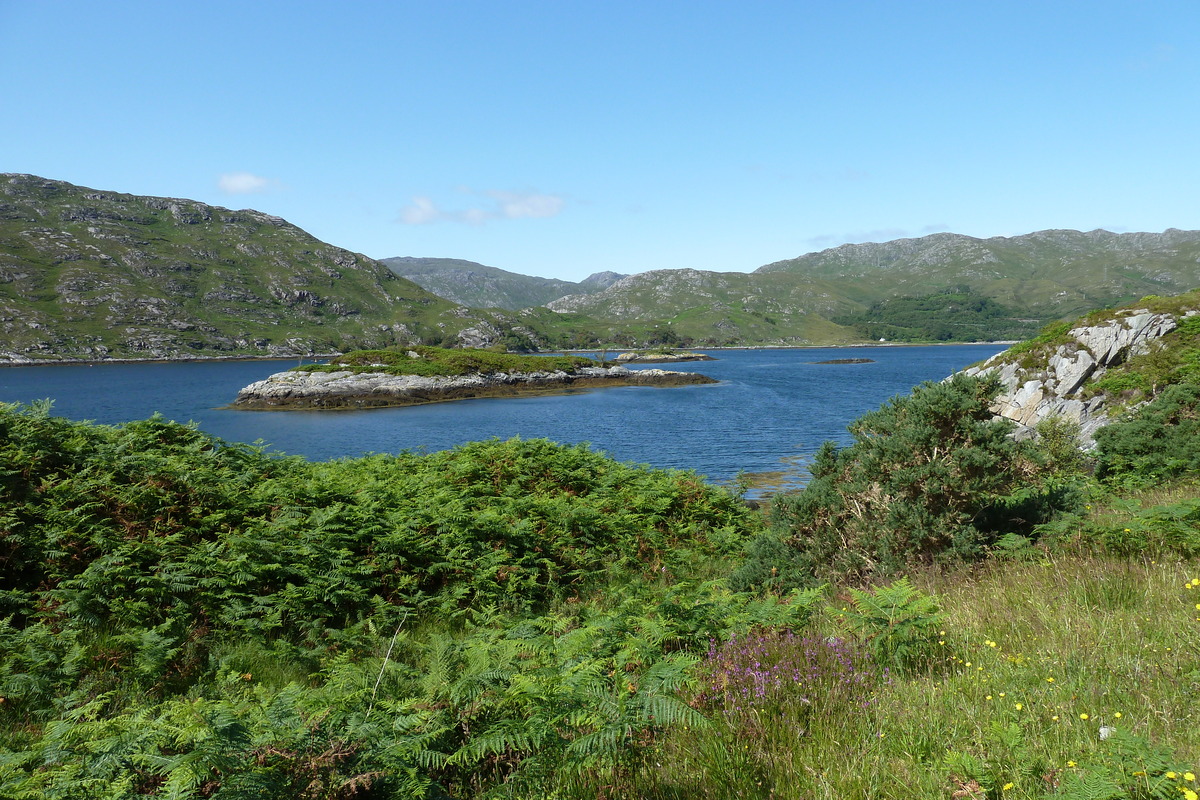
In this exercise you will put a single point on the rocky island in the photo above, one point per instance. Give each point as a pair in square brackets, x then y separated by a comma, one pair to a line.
[376, 379]
[660, 357]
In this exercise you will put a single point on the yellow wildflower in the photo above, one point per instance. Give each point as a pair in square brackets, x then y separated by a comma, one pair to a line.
[1083, 716]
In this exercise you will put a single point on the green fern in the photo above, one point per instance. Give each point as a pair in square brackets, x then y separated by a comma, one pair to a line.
[898, 621]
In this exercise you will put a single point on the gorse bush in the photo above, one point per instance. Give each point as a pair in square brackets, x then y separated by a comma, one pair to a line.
[931, 477]
[1159, 440]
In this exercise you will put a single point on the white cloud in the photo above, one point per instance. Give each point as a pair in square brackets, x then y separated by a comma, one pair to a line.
[500, 205]
[421, 211]
[242, 183]
[514, 205]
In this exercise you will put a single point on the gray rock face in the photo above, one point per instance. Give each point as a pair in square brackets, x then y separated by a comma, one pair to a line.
[1031, 395]
[346, 389]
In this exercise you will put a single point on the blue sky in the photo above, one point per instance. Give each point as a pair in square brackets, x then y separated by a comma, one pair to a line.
[568, 137]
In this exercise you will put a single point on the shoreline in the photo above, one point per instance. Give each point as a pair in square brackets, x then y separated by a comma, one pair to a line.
[84, 362]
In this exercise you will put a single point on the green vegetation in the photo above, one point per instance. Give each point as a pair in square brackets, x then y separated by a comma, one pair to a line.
[944, 287]
[441, 361]
[95, 274]
[92, 275]
[930, 478]
[954, 314]
[942, 612]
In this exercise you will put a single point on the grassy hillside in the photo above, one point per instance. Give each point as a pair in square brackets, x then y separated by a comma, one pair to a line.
[1007, 289]
[93, 274]
[90, 273]
[1054, 273]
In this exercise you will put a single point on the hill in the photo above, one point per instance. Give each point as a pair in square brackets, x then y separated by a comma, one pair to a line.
[88, 274]
[940, 287]
[92, 274]
[480, 286]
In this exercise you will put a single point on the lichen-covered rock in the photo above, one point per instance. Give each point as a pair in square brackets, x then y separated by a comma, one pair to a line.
[1032, 394]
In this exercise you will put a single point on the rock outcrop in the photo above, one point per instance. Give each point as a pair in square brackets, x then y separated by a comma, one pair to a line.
[1053, 386]
[661, 358]
[348, 389]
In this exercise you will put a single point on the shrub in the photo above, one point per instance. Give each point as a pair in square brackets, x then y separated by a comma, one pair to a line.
[1161, 439]
[931, 477]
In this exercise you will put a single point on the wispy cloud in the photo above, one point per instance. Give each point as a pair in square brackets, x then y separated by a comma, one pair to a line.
[243, 183]
[497, 205]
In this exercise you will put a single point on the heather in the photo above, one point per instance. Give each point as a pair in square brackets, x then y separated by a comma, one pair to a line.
[943, 612]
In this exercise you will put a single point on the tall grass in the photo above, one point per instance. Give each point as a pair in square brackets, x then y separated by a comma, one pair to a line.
[1035, 659]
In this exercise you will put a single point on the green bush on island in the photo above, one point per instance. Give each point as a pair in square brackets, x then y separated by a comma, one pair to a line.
[430, 361]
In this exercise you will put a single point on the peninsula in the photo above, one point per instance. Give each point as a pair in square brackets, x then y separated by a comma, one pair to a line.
[384, 378]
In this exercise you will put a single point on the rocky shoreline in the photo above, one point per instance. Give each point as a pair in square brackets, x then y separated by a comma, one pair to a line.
[345, 389]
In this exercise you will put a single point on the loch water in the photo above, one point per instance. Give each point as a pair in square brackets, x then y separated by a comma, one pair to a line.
[768, 414]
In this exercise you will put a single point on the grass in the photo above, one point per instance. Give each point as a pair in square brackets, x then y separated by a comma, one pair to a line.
[1034, 659]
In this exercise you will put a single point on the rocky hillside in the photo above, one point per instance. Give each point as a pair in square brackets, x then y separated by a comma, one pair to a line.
[470, 284]
[1094, 368]
[843, 294]
[94, 274]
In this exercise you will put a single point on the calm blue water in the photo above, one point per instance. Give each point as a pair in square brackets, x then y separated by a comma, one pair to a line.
[771, 411]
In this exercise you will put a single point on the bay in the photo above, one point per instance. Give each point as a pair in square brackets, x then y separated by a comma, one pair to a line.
[768, 415]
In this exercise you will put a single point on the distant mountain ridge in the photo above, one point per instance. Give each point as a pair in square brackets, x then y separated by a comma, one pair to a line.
[1033, 278]
[480, 286]
[90, 274]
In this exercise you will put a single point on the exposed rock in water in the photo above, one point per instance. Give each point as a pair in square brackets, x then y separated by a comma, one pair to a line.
[347, 389]
[661, 358]
[847, 361]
